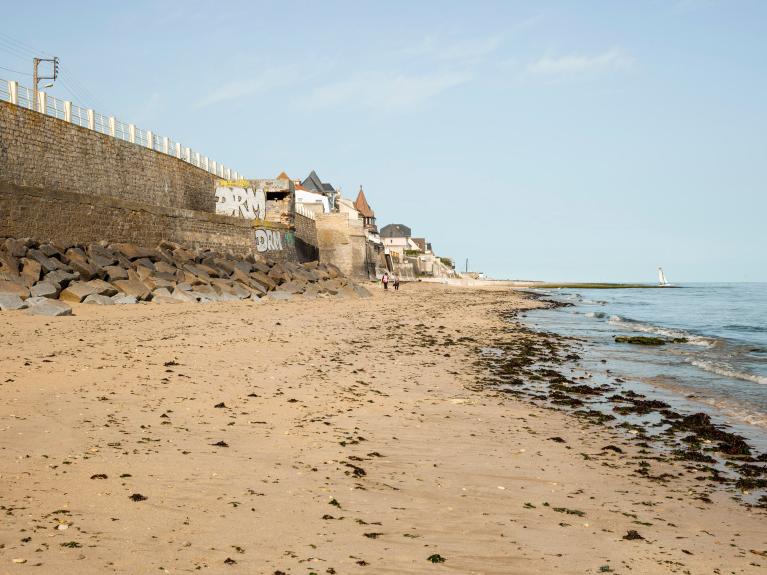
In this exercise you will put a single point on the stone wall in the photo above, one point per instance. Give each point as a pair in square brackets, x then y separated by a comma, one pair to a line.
[376, 260]
[306, 229]
[40, 151]
[70, 217]
[342, 242]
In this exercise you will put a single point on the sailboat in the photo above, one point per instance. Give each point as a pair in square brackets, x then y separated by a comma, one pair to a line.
[662, 281]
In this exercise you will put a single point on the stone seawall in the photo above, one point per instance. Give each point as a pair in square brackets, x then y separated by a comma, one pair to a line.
[41, 151]
[341, 241]
[306, 229]
[70, 217]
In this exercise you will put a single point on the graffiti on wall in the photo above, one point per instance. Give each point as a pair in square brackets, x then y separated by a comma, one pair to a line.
[268, 240]
[241, 202]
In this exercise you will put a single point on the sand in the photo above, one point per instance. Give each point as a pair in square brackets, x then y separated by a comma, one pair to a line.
[329, 436]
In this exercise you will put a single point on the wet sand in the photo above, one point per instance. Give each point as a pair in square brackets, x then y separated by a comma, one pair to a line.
[329, 436]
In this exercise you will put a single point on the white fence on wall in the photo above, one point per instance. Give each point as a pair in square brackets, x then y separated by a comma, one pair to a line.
[301, 210]
[13, 92]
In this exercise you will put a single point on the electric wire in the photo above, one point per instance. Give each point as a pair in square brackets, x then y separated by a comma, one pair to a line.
[15, 71]
[22, 46]
[9, 49]
[68, 79]
[74, 82]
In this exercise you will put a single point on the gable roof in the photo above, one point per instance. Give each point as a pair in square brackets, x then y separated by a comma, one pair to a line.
[282, 176]
[362, 206]
[313, 182]
[396, 231]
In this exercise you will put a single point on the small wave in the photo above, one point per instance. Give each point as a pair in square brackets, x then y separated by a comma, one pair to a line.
[728, 371]
[597, 314]
[749, 328]
[664, 331]
[737, 411]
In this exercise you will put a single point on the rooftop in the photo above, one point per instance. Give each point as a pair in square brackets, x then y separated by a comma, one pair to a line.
[362, 206]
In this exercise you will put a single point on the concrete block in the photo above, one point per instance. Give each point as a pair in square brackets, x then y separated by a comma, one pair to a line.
[10, 301]
[14, 288]
[76, 292]
[98, 299]
[102, 287]
[45, 289]
[279, 296]
[133, 287]
[114, 273]
[183, 296]
[60, 277]
[50, 307]
[122, 299]
[164, 299]
[30, 271]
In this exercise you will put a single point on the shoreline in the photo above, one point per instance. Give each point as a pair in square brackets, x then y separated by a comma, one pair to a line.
[679, 370]
[684, 434]
[532, 284]
[333, 436]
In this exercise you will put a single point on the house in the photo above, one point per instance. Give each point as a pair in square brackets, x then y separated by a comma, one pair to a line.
[312, 183]
[365, 212]
[422, 244]
[396, 239]
[395, 231]
[309, 201]
[346, 206]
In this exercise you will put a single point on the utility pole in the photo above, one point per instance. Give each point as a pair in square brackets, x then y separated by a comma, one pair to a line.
[467, 265]
[36, 77]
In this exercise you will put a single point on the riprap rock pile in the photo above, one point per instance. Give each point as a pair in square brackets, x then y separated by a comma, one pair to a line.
[45, 277]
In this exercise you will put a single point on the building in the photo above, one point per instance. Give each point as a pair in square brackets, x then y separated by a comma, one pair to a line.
[365, 211]
[422, 244]
[305, 200]
[346, 206]
[397, 241]
[395, 231]
[313, 183]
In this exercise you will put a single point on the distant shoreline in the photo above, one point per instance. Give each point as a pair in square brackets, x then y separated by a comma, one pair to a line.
[597, 286]
[466, 282]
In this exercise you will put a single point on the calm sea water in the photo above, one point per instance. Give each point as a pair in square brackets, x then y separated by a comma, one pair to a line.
[721, 369]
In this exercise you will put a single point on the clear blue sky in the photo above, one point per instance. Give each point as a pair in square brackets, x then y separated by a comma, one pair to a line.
[548, 140]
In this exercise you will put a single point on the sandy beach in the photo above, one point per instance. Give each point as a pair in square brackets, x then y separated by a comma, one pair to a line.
[325, 436]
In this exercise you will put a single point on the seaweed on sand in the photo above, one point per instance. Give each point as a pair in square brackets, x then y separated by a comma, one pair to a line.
[699, 424]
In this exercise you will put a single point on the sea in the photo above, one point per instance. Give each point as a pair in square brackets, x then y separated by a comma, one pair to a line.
[720, 368]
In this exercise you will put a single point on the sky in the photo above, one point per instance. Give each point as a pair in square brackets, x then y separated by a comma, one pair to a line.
[562, 141]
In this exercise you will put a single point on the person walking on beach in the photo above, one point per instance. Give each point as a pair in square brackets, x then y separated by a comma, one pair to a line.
[385, 280]
[396, 283]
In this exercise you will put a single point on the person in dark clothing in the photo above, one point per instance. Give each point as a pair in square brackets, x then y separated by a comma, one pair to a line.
[396, 283]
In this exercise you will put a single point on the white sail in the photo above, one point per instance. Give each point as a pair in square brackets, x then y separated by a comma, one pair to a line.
[662, 277]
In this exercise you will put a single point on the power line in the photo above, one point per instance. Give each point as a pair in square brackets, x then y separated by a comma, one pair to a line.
[15, 71]
[75, 95]
[71, 82]
[75, 82]
[21, 45]
[9, 49]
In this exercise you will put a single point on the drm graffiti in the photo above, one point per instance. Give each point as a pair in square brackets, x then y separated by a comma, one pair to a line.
[241, 202]
[268, 241]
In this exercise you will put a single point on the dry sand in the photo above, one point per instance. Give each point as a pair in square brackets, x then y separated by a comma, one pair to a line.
[318, 437]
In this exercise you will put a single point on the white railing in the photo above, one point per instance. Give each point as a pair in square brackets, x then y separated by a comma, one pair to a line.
[301, 210]
[13, 92]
